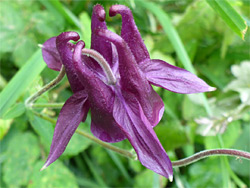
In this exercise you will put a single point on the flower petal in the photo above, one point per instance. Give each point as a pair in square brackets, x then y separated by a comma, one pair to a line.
[172, 78]
[132, 80]
[98, 43]
[51, 55]
[65, 51]
[141, 135]
[101, 98]
[73, 112]
[130, 33]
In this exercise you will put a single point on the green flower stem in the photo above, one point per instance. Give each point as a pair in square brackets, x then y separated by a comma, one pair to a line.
[178, 163]
[212, 152]
[29, 102]
[48, 105]
[123, 152]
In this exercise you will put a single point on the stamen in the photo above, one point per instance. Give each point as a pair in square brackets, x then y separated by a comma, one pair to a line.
[103, 63]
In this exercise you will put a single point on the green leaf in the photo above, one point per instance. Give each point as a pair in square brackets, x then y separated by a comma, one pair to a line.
[22, 152]
[147, 178]
[56, 175]
[66, 13]
[242, 166]
[229, 136]
[206, 171]
[85, 28]
[230, 16]
[21, 81]
[15, 111]
[45, 130]
[11, 23]
[4, 127]
[172, 135]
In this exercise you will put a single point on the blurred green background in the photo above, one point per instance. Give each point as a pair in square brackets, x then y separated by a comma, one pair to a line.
[211, 36]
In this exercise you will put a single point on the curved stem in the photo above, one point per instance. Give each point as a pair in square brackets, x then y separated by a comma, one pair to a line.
[53, 83]
[213, 152]
[179, 163]
[102, 62]
[48, 105]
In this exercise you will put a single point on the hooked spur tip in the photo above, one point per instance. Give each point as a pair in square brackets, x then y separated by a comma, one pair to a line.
[44, 167]
[212, 88]
[66, 36]
[118, 9]
[170, 178]
[99, 12]
[40, 46]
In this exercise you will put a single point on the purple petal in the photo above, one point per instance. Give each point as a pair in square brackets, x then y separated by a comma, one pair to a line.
[65, 51]
[142, 137]
[98, 43]
[101, 99]
[173, 78]
[73, 111]
[133, 81]
[51, 55]
[130, 33]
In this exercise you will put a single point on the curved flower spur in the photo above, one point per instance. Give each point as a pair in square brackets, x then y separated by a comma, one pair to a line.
[113, 79]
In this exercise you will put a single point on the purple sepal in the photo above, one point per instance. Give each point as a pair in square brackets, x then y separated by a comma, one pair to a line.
[133, 82]
[66, 55]
[172, 78]
[98, 43]
[130, 33]
[101, 99]
[73, 112]
[51, 55]
[131, 119]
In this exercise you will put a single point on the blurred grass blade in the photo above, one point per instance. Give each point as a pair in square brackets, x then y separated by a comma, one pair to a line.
[230, 16]
[94, 171]
[19, 83]
[169, 29]
[66, 13]
[119, 165]
[14, 111]
[175, 40]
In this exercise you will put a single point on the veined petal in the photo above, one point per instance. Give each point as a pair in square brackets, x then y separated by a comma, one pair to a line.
[101, 99]
[130, 33]
[142, 137]
[98, 43]
[73, 112]
[172, 78]
[65, 51]
[51, 55]
[133, 82]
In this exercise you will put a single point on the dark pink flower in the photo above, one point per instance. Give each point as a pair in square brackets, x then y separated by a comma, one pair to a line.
[123, 104]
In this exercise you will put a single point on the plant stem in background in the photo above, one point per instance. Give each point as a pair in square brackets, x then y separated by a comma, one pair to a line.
[179, 163]
[53, 83]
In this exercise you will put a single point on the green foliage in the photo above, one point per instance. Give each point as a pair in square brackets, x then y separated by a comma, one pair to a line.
[201, 36]
[58, 175]
[20, 82]
[21, 154]
[45, 130]
[230, 16]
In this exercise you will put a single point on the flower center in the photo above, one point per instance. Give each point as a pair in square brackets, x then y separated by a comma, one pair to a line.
[103, 63]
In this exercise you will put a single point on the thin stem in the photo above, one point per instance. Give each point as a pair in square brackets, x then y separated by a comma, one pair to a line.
[102, 62]
[178, 163]
[212, 152]
[53, 83]
[123, 152]
[48, 105]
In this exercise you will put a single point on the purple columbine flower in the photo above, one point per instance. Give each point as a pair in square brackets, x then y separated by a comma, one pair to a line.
[113, 79]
